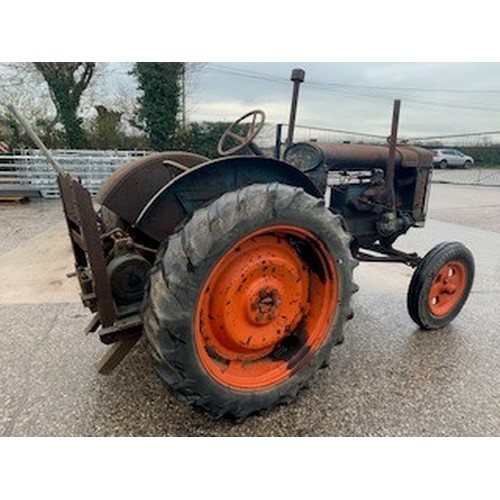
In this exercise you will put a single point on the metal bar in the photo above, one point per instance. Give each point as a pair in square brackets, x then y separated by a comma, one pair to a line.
[77, 238]
[389, 255]
[115, 354]
[451, 136]
[93, 325]
[365, 257]
[277, 144]
[340, 131]
[297, 78]
[34, 137]
[67, 198]
[88, 223]
[124, 328]
[176, 164]
[391, 160]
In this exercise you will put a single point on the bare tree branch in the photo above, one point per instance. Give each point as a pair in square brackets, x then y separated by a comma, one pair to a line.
[66, 86]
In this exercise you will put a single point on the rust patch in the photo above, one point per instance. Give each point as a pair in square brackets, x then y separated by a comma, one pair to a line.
[213, 354]
[291, 345]
[311, 259]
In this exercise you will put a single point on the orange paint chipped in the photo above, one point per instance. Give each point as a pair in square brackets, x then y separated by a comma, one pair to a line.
[267, 306]
[447, 288]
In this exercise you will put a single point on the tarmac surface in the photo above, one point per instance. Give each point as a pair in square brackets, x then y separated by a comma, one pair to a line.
[387, 379]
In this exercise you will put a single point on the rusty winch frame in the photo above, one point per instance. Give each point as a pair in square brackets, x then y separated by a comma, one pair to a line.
[122, 326]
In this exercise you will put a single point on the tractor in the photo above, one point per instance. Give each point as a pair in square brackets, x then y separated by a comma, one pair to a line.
[239, 270]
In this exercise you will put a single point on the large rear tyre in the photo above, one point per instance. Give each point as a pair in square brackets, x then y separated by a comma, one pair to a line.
[246, 301]
[440, 285]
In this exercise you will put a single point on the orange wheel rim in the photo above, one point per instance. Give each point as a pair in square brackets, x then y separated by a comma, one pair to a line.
[266, 307]
[447, 288]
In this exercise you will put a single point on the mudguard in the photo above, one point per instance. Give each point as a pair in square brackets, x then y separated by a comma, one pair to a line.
[131, 187]
[187, 192]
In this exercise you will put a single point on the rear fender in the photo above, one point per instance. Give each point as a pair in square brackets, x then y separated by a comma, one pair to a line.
[193, 189]
[128, 190]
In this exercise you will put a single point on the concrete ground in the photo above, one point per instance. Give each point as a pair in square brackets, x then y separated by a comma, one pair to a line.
[387, 379]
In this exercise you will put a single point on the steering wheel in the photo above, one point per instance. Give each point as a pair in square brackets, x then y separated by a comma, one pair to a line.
[258, 119]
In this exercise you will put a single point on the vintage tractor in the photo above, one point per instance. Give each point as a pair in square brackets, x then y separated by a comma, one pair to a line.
[239, 270]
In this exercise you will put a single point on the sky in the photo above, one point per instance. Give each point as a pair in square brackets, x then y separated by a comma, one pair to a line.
[437, 98]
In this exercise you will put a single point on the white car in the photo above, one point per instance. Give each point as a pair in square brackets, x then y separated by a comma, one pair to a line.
[444, 158]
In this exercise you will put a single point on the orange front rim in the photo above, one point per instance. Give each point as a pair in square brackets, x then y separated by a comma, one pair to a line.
[447, 288]
[266, 307]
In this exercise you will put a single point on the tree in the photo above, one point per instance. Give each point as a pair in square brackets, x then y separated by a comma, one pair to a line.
[105, 130]
[160, 83]
[20, 85]
[67, 81]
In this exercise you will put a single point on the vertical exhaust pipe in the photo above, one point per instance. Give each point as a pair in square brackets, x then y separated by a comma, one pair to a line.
[391, 160]
[297, 78]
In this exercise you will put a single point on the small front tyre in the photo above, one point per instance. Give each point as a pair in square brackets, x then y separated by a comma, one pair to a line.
[440, 285]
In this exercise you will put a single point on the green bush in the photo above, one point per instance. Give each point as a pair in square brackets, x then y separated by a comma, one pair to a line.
[484, 156]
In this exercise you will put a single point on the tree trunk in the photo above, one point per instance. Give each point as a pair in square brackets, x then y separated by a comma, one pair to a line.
[66, 88]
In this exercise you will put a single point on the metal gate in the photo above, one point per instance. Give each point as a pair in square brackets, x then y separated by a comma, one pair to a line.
[27, 172]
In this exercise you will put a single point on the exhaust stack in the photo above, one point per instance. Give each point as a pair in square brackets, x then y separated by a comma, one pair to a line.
[298, 76]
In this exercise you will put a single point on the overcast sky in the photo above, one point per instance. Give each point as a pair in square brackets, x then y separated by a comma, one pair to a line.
[359, 96]
[437, 98]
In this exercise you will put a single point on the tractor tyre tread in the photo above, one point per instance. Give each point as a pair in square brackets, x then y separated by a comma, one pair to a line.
[185, 260]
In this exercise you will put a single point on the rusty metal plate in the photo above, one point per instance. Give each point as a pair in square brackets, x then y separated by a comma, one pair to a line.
[90, 263]
[193, 189]
[130, 188]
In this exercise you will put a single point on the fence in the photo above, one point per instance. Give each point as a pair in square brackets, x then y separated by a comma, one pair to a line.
[474, 176]
[303, 133]
[28, 173]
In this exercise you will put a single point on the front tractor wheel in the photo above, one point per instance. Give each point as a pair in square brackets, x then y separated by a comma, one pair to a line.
[440, 285]
[246, 301]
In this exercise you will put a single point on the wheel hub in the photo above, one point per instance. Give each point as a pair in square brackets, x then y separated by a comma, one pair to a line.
[264, 306]
[447, 288]
[260, 295]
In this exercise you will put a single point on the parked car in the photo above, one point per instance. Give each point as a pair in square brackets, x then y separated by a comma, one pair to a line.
[444, 158]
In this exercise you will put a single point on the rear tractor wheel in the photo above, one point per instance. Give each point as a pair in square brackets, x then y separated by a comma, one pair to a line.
[246, 301]
[440, 285]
